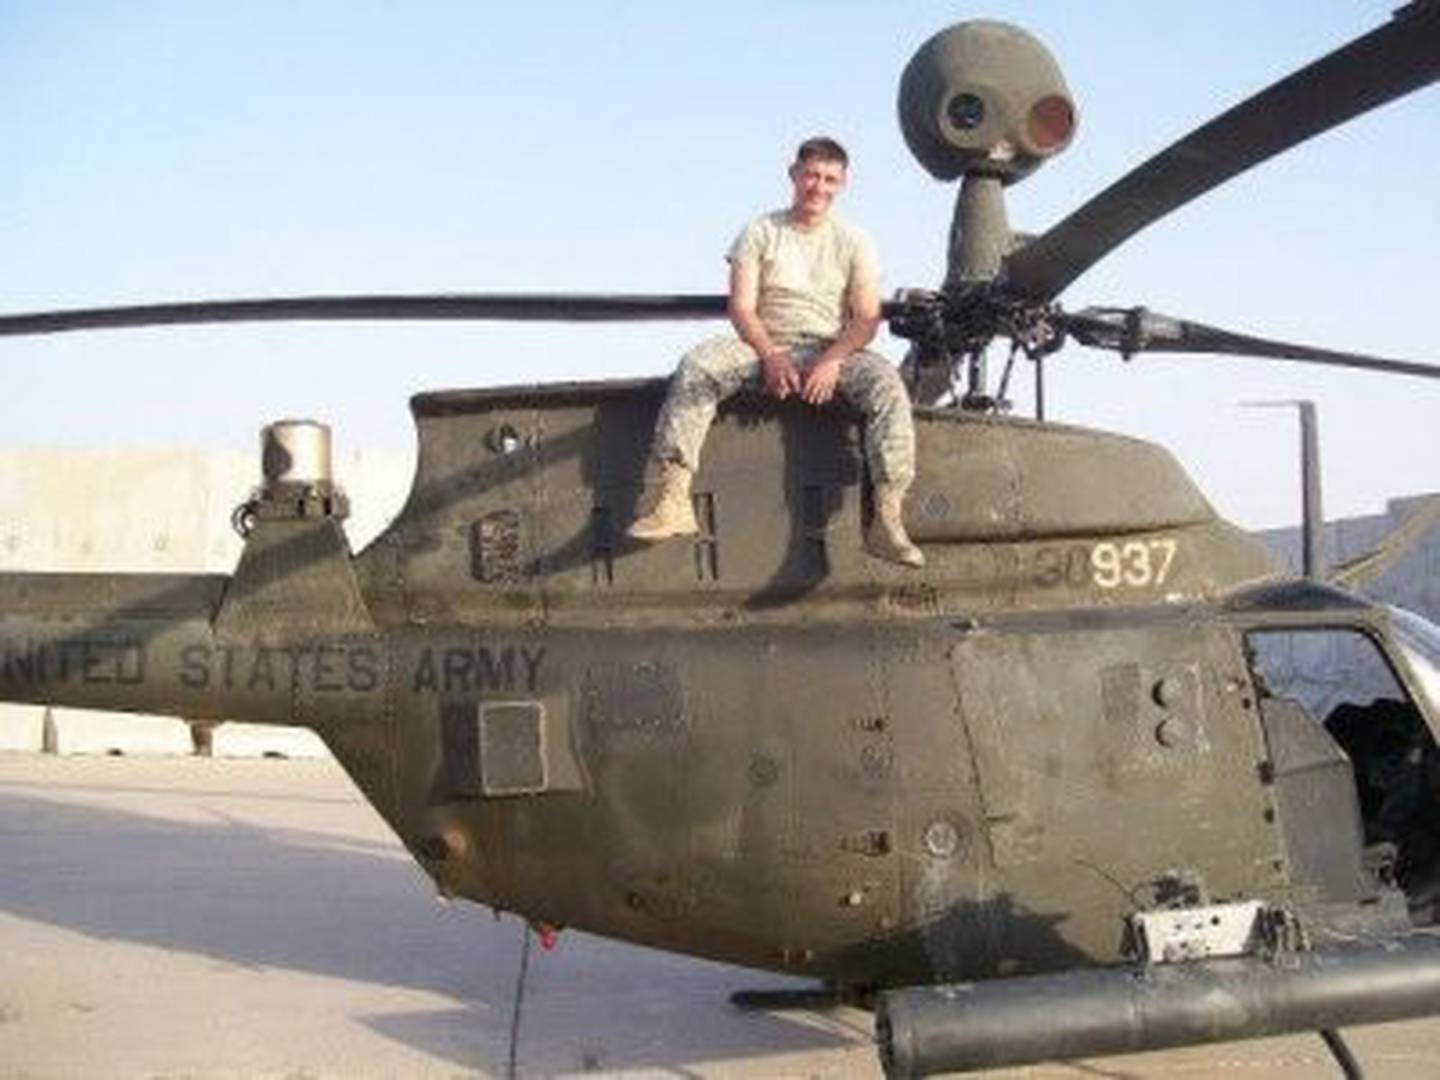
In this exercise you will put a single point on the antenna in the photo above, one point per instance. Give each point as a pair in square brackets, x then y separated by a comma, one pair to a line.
[1312, 517]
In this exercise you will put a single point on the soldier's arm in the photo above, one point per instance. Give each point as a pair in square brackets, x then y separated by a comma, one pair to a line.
[781, 378]
[863, 306]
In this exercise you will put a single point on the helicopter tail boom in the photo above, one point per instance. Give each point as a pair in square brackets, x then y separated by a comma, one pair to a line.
[157, 643]
[102, 640]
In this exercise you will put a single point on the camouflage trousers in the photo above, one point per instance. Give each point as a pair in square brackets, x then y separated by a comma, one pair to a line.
[717, 368]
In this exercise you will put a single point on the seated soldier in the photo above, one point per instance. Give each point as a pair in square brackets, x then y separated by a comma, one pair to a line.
[804, 300]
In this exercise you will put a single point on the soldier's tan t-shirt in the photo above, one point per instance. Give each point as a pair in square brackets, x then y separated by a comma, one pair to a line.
[804, 273]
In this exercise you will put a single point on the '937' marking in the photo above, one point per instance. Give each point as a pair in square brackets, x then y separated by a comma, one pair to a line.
[1110, 564]
[1139, 564]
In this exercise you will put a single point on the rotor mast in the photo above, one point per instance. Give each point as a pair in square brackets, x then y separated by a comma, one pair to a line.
[979, 234]
[979, 241]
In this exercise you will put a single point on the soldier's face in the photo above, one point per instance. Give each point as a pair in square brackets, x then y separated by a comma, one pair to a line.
[816, 184]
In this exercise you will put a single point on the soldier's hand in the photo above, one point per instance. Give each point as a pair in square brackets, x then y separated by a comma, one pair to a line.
[781, 378]
[820, 381]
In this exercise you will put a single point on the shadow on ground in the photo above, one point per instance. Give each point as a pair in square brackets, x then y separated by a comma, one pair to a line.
[253, 897]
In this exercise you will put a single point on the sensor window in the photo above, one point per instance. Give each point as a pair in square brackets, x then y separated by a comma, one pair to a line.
[1051, 122]
[966, 111]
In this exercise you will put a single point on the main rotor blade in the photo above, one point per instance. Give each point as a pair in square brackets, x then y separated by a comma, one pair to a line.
[1387, 63]
[1132, 330]
[496, 306]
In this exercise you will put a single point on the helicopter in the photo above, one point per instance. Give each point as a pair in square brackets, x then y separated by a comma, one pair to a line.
[1068, 763]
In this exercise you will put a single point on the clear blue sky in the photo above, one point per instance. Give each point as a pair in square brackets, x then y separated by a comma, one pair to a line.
[152, 151]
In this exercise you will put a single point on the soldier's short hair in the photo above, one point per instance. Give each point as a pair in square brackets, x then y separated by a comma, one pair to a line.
[821, 148]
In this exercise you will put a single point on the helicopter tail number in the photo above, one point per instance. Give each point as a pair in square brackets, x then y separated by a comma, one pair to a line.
[1110, 564]
[1138, 563]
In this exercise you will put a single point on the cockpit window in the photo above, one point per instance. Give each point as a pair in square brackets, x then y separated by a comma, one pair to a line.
[1322, 669]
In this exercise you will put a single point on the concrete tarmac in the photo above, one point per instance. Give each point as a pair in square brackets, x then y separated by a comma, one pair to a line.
[221, 918]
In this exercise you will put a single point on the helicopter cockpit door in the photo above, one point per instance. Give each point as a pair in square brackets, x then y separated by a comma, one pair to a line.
[1315, 801]
[1351, 754]
[1095, 748]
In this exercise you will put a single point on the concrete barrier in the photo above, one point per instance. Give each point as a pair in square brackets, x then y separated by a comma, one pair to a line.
[21, 727]
[90, 731]
[235, 740]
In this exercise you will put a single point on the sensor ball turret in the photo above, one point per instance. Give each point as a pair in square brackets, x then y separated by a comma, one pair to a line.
[984, 98]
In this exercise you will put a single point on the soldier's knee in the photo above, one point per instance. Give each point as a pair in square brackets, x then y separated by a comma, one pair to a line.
[877, 388]
[691, 365]
[887, 377]
[715, 355]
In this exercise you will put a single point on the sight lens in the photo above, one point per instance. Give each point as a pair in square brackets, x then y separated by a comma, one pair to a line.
[966, 111]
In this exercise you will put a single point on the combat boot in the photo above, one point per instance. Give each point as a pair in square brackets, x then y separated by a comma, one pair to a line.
[886, 538]
[672, 514]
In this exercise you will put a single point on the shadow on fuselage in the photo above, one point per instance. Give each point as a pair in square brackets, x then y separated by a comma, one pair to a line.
[972, 941]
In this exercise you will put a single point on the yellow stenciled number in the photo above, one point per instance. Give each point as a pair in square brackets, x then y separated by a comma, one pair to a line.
[1166, 548]
[1138, 563]
[1136, 557]
[1105, 559]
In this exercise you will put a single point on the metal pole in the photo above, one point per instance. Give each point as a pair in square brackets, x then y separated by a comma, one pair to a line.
[1313, 514]
[1039, 388]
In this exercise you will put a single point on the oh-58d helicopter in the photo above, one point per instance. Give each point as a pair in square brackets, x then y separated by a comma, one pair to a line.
[1059, 793]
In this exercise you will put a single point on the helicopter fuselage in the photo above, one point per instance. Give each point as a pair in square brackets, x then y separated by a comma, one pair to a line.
[757, 744]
